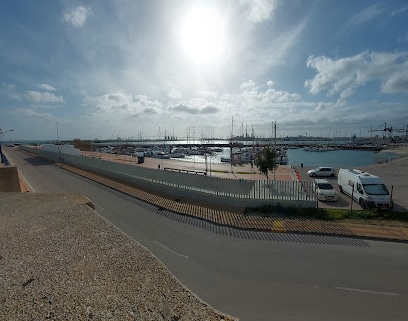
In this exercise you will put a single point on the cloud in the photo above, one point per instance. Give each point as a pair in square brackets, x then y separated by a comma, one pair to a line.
[258, 11]
[174, 94]
[47, 87]
[248, 85]
[9, 91]
[209, 110]
[193, 110]
[344, 75]
[255, 96]
[397, 83]
[277, 50]
[399, 11]
[363, 16]
[8, 86]
[34, 114]
[119, 103]
[77, 16]
[150, 111]
[43, 97]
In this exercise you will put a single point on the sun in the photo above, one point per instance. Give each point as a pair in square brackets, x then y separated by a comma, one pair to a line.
[203, 35]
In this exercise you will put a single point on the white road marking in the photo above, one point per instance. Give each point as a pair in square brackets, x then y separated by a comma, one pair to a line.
[29, 185]
[172, 251]
[366, 291]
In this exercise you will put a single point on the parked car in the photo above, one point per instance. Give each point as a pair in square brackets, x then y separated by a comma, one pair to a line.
[325, 191]
[322, 171]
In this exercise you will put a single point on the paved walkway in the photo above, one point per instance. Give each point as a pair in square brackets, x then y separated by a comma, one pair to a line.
[225, 170]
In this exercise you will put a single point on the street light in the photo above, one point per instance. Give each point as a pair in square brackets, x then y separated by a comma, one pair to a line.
[58, 143]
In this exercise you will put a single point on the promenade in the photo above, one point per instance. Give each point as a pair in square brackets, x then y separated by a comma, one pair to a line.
[222, 216]
[224, 170]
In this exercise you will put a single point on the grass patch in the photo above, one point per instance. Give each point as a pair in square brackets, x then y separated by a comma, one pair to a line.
[327, 214]
[245, 173]
[218, 171]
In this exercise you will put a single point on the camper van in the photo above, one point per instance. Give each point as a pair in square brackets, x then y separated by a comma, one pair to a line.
[368, 190]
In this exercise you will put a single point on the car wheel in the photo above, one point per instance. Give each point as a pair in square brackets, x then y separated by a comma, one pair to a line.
[331, 175]
[313, 175]
[362, 203]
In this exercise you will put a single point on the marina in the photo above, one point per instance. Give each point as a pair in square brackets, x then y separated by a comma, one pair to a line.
[292, 155]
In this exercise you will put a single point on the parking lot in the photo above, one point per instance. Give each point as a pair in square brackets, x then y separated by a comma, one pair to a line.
[344, 201]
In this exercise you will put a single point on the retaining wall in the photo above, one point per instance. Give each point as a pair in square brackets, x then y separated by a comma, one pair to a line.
[9, 181]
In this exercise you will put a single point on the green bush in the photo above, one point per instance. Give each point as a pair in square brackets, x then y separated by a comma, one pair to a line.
[325, 214]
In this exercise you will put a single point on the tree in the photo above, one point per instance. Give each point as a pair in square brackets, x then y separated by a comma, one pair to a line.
[84, 145]
[266, 161]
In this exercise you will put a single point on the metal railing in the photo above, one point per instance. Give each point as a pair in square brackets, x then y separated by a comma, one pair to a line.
[226, 187]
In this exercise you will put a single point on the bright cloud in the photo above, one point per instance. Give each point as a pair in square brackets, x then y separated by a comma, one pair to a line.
[43, 97]
[258, 10]
[343, 76]
[125, 104]
[364, 16]
[192, 110]
[77, 16]
[255, 95]
[46, 87]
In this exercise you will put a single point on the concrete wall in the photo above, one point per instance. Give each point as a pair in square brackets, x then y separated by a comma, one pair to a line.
[9, 181]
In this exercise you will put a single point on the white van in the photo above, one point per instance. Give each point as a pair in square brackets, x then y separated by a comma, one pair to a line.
[368, 190]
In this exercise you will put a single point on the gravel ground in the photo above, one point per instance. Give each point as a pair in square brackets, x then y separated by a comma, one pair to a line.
[60, 260]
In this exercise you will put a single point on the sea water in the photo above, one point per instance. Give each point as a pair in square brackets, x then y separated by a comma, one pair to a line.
[338, 158]
[298, 156]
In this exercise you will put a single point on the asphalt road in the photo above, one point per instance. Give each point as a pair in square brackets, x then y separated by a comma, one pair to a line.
[253, 276]
[394, 175]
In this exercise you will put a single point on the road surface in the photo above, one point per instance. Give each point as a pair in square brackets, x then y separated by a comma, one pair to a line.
[253, 276]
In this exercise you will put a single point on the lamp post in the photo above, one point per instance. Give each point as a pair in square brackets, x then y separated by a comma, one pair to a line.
[58, 143]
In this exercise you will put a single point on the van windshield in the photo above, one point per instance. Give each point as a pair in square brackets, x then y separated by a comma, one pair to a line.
[376, 189]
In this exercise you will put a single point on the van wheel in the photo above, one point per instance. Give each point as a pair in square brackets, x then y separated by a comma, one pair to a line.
[341, 189]
[362, 203]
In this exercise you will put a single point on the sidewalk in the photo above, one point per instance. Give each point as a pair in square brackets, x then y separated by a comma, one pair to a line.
[224, 170]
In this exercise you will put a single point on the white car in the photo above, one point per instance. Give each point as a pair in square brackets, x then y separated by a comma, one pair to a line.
[322, 171]
[325, 191]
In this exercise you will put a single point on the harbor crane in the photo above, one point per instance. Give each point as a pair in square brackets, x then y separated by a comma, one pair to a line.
[402, 130]
[388, 129]
[391, 130]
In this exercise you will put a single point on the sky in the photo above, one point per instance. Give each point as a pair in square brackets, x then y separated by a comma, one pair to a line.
[202, 69]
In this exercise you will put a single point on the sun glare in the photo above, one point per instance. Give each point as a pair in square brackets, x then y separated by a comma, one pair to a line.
[203, 34]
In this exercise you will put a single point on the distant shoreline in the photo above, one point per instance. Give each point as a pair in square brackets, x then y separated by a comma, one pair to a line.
[403, 150]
